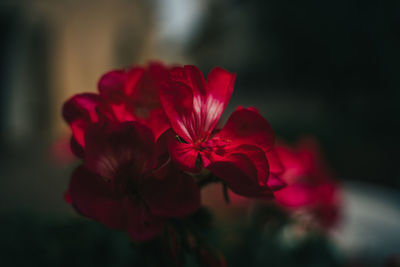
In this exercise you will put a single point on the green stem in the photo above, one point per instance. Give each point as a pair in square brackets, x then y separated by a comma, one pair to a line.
[208, 179]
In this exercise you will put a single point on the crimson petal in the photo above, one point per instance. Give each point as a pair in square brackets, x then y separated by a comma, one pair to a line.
[157, 122]
[177, 101]
[111, 85]
[220, 87]
[274, 162]
[134, 78]
[82, 106]
[112, 147]
[246, 126]
[185, 155]
[94, 198]
[296, 195]
[144, 93]
[76, 148]
[275, 182]
[257, 156]
[83, 109]
[176, 195]
[239, 172]
[79, 128]
[191, 76]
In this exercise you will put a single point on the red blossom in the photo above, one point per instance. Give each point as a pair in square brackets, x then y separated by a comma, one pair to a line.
[124, 95]
[310, 185]
[122, 185]
[241, 153]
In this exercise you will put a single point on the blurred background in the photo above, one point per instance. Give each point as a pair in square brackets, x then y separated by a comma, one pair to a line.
[328, 69]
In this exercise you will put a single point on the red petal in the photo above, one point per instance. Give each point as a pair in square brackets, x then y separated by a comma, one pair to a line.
[144, 96]
[177, 101]
[158, 122]
[220, 86]
[200, 104]
[185, 155]
[79, 128]
[123, 111]
[238, 171]
[159, 72]
[274, 162]
[111, 85]
[76, 148]
[196, 80]
[245, 126]
[176, 195]
[197, 121]
[257, 158]
[294, 163]
[162, 156]
[191, 76]
[296, 195]
[93, 197]
[67, 197]
[118, 83]
[82, 106]
[82, 110]
[134, 78]
[275, 182]
[110, 147]
[119, 88]
[193, 79]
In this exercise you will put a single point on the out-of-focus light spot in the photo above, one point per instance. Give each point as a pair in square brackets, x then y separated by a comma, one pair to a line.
[371, 221]
[178, 20]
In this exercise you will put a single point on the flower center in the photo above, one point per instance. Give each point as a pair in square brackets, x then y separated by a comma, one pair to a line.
[216, 145]
[124, 182]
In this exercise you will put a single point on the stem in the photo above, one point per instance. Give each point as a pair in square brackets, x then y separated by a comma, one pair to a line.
[208, 179]
[225, 192]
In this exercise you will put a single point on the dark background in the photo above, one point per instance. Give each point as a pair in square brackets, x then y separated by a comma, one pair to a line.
[327, 68]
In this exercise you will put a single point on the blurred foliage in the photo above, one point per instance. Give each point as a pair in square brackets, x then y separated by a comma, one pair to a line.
[271, 238]
[31, 240]
[28, 240]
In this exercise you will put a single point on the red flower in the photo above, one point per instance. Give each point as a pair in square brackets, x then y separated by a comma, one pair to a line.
[122, 185]
[241, 153]
[310, 183]
[124, 95]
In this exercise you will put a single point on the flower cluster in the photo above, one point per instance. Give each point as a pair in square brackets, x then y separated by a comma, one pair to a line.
[150, 136]
[311, 187]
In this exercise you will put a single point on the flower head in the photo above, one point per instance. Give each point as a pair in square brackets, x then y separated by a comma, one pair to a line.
[140, 119]
[124, 95]
[241, 153]
[122, 185]
[310, 184]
